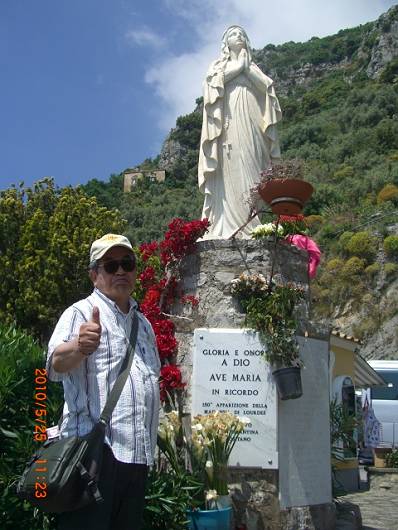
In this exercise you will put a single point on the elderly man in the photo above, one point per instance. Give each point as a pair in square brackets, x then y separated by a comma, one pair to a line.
[85, 351]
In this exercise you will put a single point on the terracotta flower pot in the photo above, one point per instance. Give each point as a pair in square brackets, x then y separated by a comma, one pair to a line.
[286, 196]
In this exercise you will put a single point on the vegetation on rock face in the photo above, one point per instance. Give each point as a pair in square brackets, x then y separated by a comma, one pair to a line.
[332, 49]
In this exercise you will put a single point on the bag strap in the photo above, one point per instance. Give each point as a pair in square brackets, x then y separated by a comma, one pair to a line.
[122, 375]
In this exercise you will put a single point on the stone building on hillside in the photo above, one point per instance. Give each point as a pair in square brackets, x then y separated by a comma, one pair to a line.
[132, 175]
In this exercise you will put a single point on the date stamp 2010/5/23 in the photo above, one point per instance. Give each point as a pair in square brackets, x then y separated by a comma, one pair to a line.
[40, 434]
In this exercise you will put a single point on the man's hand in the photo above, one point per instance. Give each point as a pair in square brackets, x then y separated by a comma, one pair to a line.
[90, 334]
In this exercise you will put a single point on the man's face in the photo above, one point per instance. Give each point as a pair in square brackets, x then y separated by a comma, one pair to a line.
[119, 285]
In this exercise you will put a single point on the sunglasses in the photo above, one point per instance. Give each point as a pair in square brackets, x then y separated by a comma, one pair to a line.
[127, 264]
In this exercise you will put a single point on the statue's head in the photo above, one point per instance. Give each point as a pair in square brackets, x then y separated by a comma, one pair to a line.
[234, 38]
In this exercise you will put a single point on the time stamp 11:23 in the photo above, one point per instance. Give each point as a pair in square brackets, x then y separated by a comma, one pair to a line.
[40, 432]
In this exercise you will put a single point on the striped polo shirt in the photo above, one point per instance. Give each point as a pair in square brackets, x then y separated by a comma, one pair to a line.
[132, 430]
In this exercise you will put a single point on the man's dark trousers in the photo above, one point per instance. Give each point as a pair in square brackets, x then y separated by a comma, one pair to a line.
[122, 487]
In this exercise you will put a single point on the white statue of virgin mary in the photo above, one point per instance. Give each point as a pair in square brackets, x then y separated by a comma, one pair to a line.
[239, 137]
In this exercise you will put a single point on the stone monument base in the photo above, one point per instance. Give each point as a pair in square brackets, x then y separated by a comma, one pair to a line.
[292, 491]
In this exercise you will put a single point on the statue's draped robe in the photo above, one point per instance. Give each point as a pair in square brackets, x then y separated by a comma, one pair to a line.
[239, 140]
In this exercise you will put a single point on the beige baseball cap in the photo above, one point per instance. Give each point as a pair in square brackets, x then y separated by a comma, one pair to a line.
[106, 242]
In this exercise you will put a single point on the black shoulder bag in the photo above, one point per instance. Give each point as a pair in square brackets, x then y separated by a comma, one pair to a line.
[62, 475]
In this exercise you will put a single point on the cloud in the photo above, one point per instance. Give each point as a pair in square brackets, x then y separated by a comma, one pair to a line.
[145, 37]
[177, 79]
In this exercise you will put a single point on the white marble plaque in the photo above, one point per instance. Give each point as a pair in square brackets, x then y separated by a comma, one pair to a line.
[230, 374]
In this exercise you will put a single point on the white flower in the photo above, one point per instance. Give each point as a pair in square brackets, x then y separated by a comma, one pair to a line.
[211, 495]
[266, 230]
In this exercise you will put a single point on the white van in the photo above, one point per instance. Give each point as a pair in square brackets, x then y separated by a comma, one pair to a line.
[384, 401]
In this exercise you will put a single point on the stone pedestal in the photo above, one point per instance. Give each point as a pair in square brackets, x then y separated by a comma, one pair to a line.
[297, 493]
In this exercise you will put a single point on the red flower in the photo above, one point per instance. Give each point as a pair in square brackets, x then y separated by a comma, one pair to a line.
[150, 304]
[147, 277]
[180, 239]
[166, 344]
[148, 249]
[170, 380]
[151, 311]
[163, 327]
[153, 294]
[190, 299]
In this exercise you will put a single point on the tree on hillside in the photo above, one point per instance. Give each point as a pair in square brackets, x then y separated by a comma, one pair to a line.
[108, 193]
[45, 234]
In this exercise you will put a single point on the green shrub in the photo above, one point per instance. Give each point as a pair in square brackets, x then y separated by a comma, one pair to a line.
[390, 269]
[20, 356]
[344, 239]
[168, 496]
[390, 245]
[314, 222]
[386, 133]
[373, 269]
[388, 193]
[353, 267]
[334, 265]
[344, 172]
[392, 458]
[362, 245]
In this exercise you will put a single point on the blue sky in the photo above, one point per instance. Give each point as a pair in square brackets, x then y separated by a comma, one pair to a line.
[91, 87]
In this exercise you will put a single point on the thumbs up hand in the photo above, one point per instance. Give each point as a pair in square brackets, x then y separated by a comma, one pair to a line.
[95, 317]
[90, 334]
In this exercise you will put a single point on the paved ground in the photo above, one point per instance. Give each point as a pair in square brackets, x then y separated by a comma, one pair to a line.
[379, 509]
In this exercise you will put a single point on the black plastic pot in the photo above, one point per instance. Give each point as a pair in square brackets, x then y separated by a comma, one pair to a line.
[288, 382]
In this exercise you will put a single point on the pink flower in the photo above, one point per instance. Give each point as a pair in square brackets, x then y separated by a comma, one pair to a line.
[314, 253]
